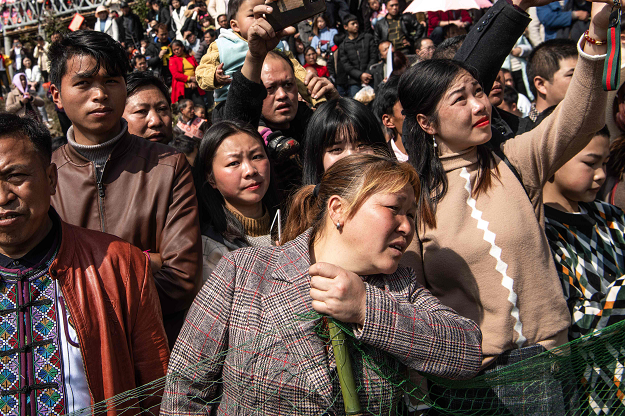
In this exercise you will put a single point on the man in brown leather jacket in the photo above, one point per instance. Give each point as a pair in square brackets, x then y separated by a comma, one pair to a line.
[78, 308]
[112, 181]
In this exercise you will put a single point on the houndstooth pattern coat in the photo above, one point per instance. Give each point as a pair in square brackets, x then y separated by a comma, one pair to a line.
[251, 343]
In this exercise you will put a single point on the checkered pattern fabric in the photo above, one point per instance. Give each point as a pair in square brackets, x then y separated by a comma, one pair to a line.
[588, 251]
[247, 346]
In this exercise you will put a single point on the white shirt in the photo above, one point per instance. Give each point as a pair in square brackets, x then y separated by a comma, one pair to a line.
[75, 379]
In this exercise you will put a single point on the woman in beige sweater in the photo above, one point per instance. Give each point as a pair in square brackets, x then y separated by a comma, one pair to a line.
[481, 248]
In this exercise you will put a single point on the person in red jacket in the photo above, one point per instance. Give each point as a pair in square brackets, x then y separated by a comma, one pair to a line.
[310, 55]
[437, 20]
[183, 83]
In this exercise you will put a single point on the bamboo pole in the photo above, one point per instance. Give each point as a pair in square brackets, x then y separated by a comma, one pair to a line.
[344, 369]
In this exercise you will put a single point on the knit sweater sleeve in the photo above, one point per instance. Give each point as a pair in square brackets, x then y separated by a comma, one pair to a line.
[539, 153]
[205, 72]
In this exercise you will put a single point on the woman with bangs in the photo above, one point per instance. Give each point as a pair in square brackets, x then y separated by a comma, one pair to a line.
[480, 246]
[246, 325]
[339, 128]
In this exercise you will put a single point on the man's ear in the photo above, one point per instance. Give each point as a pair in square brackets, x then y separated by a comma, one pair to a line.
[56, 96]
[539, 84]
[336, 208]
[426, 124]
[388, 122]
[53, 178]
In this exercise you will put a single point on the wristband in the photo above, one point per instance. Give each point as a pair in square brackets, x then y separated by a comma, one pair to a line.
[593, 41]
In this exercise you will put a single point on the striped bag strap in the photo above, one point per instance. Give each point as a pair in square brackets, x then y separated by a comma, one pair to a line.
[612, 66]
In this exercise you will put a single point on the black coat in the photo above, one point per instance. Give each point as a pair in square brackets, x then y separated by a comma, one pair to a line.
[131, 28]
[409, 24]
[357, 55]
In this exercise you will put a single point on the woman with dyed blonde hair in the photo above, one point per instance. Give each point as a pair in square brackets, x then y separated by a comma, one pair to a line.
[250, 342]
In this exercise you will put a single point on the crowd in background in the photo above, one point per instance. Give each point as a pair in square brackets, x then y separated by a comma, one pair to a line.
[344, 166]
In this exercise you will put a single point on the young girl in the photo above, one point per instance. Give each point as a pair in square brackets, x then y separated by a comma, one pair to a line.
[337, 129]
[323, 41]
[233, 184]
[250, 345]
[586, 239]
[481, 248]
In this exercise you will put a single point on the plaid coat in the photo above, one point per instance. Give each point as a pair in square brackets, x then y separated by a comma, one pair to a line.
[252, 343]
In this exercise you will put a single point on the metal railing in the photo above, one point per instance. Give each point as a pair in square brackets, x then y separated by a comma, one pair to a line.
[20, 13]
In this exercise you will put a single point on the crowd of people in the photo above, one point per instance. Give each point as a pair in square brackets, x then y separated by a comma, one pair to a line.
[448, 185]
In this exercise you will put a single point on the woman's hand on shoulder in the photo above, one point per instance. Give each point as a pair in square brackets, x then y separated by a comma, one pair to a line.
[338, 293]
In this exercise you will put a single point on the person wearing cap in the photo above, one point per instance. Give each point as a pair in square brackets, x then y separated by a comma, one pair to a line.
[130, 25]
[358, 53]
[105, 23]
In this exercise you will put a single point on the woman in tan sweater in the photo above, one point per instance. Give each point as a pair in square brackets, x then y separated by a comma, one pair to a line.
[481, 248]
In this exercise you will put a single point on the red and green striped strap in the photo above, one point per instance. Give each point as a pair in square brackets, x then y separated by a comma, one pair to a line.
[612, 66]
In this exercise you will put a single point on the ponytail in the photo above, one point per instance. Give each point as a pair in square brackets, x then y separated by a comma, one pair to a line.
[301, 213]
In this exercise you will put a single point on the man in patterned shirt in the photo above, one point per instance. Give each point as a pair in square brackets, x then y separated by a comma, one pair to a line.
[79, 311]
[587, 243]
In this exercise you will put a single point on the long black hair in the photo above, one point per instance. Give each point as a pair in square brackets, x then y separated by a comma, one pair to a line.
[336, 120]
[213, 212]
[421, 88]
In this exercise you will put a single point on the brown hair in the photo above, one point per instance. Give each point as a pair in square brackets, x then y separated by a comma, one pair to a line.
[315, 29]
[354, 178]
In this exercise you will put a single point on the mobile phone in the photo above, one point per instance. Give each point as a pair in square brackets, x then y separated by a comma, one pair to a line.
[290, 12]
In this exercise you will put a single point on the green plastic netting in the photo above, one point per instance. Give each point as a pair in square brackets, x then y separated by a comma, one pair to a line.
[582, 377]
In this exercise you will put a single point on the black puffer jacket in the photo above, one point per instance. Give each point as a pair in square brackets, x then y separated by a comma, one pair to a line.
[357, 55]
[411, 27]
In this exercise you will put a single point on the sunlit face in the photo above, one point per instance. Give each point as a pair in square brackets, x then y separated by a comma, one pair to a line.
[427, 49]
[200, 112]
[393, 7]
[383, 48]
[311, 57]
[178, 50]
[103, 15]
[26, 184]
[463, 115]
[148, 115]
[27, 62]
[321, 23]
[559, 84]
[342, 148]
[495, 96]
[245, 17]
[94, 103]
[141, 64]
[352, 27]
[379, 249]
[507, 79]
[581, 177]
[240, 171]
[163, 35]
[187, 111]
[280, 105]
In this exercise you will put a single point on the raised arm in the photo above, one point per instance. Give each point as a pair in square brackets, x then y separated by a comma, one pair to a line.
[538, 154]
